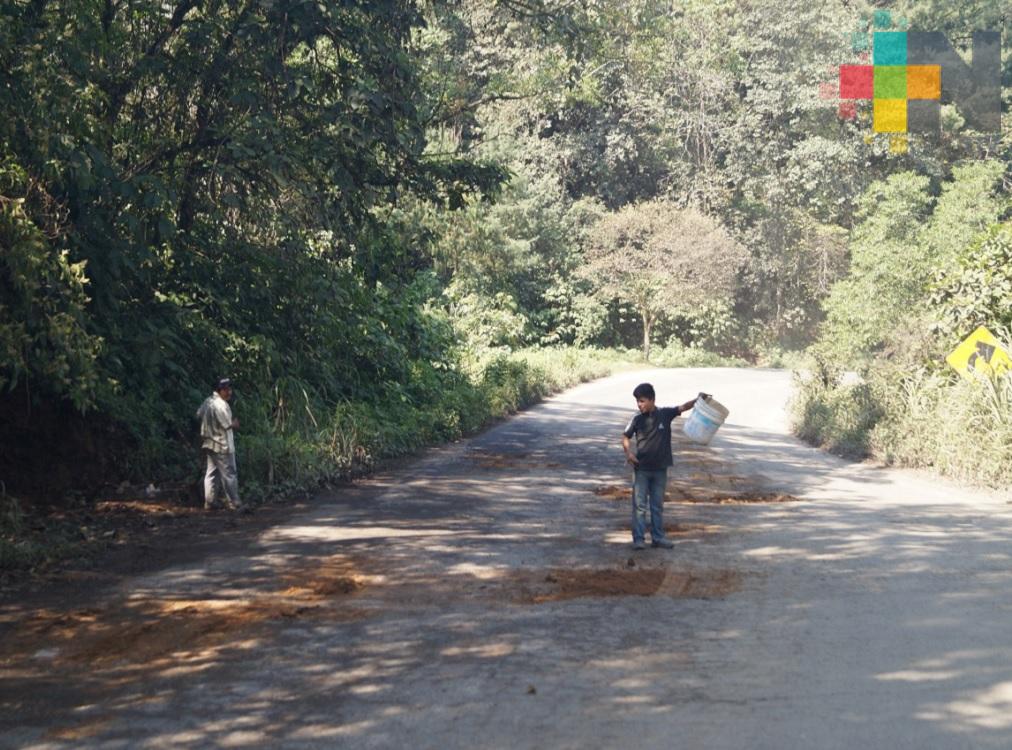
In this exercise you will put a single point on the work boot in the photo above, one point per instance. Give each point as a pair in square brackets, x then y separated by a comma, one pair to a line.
[663, 543]
[637, 546]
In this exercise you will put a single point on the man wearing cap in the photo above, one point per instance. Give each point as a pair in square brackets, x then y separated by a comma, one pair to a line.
[218, 444]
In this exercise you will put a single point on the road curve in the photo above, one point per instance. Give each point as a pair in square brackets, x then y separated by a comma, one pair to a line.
[485, 596]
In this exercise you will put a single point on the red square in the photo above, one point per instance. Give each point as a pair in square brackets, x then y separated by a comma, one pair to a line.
[848, 110]
[857, 81]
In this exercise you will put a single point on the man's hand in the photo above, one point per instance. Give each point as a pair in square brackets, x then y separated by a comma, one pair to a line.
[235, 423]
[630, 458]
[689, 404]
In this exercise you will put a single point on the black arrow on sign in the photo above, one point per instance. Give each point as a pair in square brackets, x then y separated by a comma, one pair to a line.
[983, 350]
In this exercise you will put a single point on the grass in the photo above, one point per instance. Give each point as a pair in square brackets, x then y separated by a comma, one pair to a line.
[918, 418]
[679, 355]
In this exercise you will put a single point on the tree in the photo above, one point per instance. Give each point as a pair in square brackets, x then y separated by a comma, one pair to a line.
[976, 289]
[661, 258]
[905, 238]
[792, 265]
[210, 185]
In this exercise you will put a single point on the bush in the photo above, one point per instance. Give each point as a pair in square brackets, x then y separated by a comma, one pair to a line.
[960, 429]
[676, 354]
[294, 442]
[916, 417]
[780, 358]
[833, 416]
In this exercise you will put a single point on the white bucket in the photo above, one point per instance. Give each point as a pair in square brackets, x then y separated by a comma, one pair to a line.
[708, 415]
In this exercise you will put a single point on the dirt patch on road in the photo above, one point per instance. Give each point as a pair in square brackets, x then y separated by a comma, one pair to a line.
[510, 460]
[742, 498]
[614, 492]
[538, 587]
[102, 543]
[148, 631]
[685, 529]
[334, 576]
[679, 494]
[691, 529]
[80, 731]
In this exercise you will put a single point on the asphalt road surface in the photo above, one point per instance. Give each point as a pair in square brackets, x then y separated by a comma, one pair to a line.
[485, 596]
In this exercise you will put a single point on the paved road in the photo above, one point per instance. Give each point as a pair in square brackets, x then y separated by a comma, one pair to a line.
[483, 597]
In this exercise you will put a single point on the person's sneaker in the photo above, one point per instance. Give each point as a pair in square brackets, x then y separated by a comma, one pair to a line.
[664, 543]
[637, 546]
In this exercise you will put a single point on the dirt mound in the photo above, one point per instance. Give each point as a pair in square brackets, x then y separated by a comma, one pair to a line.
[537, 587]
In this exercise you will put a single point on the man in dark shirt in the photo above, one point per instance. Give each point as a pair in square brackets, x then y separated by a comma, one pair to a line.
[650, 461]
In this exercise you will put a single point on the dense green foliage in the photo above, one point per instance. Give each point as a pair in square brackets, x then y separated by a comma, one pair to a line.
[894, 319]
[211, 175]
[929, 263]
[360, 211]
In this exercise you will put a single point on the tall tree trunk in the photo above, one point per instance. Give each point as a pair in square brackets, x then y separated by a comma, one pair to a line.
[647, 324]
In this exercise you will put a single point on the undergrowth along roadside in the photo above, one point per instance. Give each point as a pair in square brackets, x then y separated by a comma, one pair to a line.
[920, 419]
[298, 444]
[314, 444]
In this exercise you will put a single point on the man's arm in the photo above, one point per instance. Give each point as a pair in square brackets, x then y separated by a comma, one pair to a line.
[628, 453]
[689, 404]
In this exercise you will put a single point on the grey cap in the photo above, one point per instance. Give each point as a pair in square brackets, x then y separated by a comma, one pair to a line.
[223, 383]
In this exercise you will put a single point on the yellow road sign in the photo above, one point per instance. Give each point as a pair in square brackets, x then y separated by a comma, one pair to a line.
[980, 353]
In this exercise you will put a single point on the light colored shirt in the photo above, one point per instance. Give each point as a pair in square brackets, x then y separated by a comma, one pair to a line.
[215, 417]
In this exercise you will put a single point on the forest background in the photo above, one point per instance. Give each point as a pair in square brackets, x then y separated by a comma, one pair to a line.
[392, 222]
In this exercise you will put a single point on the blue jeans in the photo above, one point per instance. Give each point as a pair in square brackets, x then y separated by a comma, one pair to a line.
[648, 486]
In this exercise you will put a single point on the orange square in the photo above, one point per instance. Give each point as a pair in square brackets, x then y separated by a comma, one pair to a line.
[890, 116]
[924, 82]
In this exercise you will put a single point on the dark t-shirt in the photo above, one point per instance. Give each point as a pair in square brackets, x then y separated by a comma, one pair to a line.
[653, 437]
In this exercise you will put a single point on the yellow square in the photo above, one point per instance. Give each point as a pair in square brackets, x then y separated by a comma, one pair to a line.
[890, 116]
[924, 82]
